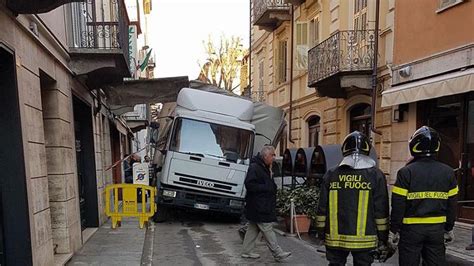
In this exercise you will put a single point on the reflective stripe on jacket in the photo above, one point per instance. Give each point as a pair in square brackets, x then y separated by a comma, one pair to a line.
[424, 193]
[353, 208]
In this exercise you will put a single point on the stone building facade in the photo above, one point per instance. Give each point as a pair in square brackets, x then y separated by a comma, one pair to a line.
[60, 137]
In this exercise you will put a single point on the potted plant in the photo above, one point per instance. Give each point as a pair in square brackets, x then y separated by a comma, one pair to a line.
[306, 203]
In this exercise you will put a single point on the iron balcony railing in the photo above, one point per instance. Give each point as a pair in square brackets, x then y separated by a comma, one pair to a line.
[262, 6]
[345, 51]
[100, 25]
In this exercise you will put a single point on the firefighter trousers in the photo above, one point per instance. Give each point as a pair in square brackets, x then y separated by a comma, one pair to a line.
[422, 241]
[338, 257]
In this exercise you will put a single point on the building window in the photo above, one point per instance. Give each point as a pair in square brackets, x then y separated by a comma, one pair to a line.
[314, 129]
[445, 4]
[360, 119]
[283, 143]
[260, 76]
[282, 61]
[302, 46]
[314, 31]
[360, 17]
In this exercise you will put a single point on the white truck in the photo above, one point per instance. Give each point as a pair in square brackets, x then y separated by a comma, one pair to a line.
[204, 147]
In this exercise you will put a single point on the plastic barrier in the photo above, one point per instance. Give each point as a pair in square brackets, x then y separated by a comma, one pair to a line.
[129, 205]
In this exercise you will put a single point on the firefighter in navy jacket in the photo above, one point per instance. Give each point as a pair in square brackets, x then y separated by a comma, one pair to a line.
[353, 208]
[423, 203]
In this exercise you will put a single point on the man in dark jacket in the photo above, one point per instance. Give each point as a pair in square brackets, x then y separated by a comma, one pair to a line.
[423, 203]
[353, 207]
[260, 208]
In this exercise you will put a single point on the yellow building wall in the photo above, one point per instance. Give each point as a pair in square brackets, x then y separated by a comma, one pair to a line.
[334, 15]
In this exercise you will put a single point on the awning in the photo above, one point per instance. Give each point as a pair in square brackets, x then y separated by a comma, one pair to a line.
[435, 87]
[123, 97]
[137, 125]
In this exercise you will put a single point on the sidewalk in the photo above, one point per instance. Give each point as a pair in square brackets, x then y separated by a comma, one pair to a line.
[462, 238]
[121, 246]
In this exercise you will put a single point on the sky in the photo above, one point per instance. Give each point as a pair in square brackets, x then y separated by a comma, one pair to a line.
[177, 29]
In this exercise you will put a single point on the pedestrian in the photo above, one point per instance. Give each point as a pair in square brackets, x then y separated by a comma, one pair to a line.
[146, 159]
[260, 208]
[423, 203]
[352, 215]
[128, 167]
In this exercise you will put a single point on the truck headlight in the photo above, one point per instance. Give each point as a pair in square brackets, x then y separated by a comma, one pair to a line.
[236, 203]
[169, 193]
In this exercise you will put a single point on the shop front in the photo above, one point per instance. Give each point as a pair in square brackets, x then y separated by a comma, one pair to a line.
[453, 118]
[446, 103]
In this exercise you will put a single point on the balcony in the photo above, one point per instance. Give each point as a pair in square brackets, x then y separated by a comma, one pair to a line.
[269, 14]
[98, 41]
[344, 60]
[296, 2]
[35, 6]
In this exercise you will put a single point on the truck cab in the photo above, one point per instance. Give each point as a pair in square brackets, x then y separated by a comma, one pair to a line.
[208, 150]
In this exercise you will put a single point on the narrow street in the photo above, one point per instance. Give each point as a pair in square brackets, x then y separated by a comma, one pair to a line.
[196, 239]
[203, 239]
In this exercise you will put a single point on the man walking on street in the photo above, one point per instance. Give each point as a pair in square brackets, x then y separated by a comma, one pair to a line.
[423, 203]
[260, 208]
[353, 209]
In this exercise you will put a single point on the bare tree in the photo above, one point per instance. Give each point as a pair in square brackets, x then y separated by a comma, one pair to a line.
[222, 66]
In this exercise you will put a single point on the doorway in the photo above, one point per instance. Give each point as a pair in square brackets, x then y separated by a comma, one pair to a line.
[466, 179]
[314, 130]
[85, 159]
[115, 146]
[15, 239]
[453, 118]
[360, 119]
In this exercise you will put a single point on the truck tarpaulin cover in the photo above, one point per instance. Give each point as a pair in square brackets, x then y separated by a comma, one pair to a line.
[123, 97]
[269, 121]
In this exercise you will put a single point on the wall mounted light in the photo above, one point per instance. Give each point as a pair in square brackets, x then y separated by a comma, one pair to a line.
[398, 113]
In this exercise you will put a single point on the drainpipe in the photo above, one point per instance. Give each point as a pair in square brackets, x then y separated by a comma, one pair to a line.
[250, 50]
[374, 72]
[291, 73]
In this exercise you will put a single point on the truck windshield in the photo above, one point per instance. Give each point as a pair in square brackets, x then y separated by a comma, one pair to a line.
[211, 140]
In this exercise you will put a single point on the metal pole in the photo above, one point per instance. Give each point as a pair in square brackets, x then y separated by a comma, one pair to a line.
[290, 135]
[374, 73]
[250, 51]
[292, 210]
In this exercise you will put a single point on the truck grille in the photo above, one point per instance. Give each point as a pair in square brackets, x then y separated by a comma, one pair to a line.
[205, 183]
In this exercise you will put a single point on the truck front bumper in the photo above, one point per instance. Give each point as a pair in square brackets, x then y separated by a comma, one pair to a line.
[173, 196]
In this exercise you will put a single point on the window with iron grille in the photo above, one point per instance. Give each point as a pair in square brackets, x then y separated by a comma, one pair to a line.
[260, 76]
[314, 130]
[282, 59]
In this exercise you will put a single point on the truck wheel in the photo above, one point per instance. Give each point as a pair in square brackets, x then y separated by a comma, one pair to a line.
[162, 214]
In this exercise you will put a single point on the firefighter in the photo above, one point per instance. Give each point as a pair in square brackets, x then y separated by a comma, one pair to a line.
[423, 203]
[353, 209]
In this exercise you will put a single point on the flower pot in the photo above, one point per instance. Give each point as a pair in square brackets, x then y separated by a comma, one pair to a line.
[300, 222]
